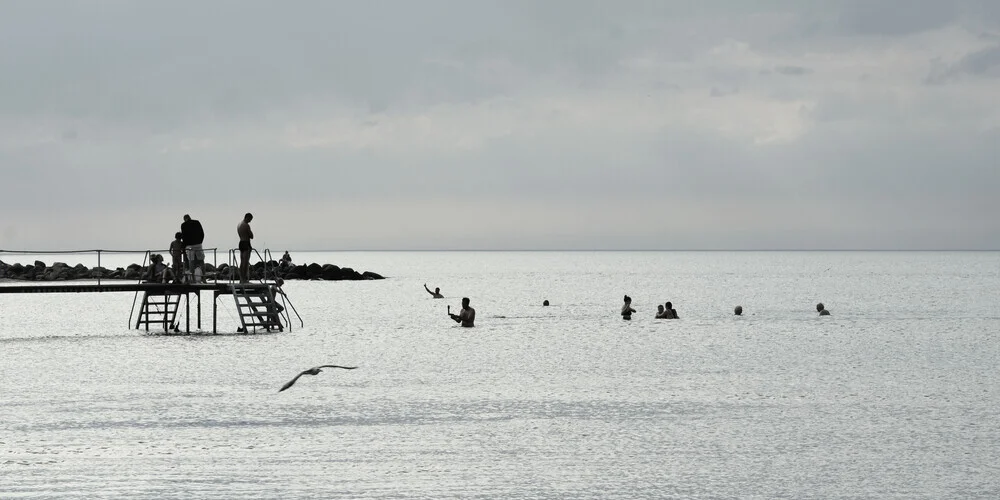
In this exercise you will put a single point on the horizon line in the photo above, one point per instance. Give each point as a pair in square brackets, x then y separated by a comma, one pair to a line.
[29, 252]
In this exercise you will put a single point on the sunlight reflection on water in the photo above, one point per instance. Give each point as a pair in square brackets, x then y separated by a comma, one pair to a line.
[892, 396]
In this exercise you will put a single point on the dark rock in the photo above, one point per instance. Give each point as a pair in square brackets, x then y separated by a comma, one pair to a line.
[314, 271]
[349, 274]
[81, 271]
[60, 271]
[295, 273]
[330, 272]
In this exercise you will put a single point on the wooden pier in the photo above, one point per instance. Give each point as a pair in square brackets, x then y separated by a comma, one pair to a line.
[256, 303]
[259, 305]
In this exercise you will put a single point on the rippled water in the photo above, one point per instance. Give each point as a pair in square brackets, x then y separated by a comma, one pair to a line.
[894, 396]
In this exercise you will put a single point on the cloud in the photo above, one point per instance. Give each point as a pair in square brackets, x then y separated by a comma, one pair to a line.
[981, 63]
[792, 70]
[646, 124]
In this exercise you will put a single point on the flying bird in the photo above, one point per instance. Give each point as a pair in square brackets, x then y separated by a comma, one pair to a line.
[313, 371]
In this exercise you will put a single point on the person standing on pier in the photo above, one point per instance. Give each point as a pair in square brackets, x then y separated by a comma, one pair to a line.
[245, 234]
[193, 236]
[176, 254]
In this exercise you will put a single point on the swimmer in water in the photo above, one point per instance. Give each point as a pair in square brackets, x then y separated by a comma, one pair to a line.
[627, 309]
[821, 309]
[467, 316]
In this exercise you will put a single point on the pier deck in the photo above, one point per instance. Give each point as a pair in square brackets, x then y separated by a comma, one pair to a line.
[104, 286]
[256, 302]
[166, 310]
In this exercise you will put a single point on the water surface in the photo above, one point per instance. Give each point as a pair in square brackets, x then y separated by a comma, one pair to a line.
[893, 396]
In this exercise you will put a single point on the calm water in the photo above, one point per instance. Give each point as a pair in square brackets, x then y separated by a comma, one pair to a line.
[894, 396]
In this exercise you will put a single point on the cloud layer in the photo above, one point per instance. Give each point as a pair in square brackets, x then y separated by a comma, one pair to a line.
[472, 124]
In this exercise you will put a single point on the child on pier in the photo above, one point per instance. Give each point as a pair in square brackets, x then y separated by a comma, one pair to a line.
[177, 254]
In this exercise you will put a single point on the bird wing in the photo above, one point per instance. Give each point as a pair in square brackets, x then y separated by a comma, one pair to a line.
[292, 381]
[337, 366]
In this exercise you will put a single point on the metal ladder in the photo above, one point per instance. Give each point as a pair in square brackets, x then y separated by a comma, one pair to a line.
[272, 306]
[159, 308]
[257, 308]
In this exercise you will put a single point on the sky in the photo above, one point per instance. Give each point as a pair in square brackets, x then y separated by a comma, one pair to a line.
[501, 125]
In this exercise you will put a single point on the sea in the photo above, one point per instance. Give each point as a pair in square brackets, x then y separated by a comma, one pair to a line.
[896, 394]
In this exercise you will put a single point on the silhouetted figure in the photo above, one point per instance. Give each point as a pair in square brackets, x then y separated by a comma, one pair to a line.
[627, 309]
[669, 312]
[436, 293]
[545, 303]
[177, 254]
[738, 311]
[157, 271]
[467, 316]
[245, 234]
[821, 309]
[193, 236]
[659, 311]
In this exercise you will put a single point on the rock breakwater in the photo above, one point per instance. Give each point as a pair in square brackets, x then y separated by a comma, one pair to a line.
[60, 271]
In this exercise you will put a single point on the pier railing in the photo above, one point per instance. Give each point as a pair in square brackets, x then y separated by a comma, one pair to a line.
[99, 252]
[269, 277]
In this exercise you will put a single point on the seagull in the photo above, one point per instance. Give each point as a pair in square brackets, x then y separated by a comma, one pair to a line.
[313, 371]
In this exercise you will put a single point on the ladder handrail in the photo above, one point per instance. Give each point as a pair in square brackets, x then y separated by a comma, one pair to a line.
[135, 297]
[287, 304]
[264, 260]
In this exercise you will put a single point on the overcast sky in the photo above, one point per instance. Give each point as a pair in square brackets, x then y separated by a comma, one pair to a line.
[543, 124]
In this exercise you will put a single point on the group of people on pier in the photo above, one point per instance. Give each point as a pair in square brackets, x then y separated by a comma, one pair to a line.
[188, 255]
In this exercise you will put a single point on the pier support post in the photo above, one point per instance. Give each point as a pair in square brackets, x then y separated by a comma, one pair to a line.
[215, 312]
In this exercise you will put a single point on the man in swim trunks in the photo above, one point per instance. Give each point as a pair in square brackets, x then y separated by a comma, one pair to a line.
[245, 234]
